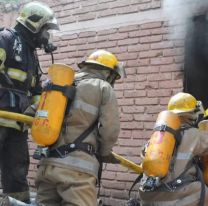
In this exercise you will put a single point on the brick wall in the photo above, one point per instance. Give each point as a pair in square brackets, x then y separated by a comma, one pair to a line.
[138, 33]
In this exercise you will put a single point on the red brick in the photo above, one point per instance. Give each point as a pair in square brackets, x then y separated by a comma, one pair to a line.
[149, 125]
[171, 68]
[128, 41]
[129, 86]
[135, 93]
[122, 102]
[127, 56]
[116, 168]
[144, 62]
[148, 69]
[132, 125]
[161, 60]
[151, 25]
[144, 117]
[126, 117]
[160, 30]
[143, 7]
[129, 177]
[146, 101]
[106, 32]
[133, 109]
[171, 84]
[159, 93]
[179, 59]
[174, 51]
[162, 77]
[109, 175]
[125, 134]
[138, 47]
[156, 4]
[162, 45]
[113, 185]
[87, 16]
[139, 33]
[128, 28]
[153, 53]
[87, 34]
[141, 135]
[105, 13]
[130, 70]
[150, 39]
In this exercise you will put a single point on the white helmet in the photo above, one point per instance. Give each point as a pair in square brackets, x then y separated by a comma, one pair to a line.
[35, 15]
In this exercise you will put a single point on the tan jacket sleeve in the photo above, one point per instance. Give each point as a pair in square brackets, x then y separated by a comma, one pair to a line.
[202, 145]
[109, 120]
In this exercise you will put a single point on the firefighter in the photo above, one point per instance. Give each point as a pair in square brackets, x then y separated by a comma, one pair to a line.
[19, 85]
[183, 184]
[68, 175]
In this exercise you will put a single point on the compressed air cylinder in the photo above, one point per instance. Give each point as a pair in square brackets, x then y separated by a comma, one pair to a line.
[203, 126]
[161, 146]
[50, 113]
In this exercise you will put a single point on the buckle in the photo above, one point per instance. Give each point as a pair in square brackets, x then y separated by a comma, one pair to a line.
[162, 127]
[90, 149]
[48, 86]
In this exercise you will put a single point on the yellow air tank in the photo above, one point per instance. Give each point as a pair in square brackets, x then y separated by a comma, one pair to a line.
[161, 145]
[50, 113]
[203, 126]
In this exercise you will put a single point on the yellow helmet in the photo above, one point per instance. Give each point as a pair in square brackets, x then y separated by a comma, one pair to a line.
[182, 102]
[206, 113]
[35, 15]
[107, 60]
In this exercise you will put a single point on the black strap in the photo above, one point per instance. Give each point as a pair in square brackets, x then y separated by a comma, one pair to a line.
[68, 91]
[134, 183]
[63, 151]
[175, 133]
[86, 132]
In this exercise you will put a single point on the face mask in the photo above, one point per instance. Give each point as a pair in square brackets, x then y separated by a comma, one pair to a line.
[43, 41]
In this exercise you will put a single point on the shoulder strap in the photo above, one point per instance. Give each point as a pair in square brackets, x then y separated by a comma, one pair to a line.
[86, 132]
[175, 133]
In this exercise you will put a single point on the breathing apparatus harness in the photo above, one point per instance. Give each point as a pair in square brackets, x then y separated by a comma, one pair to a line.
[150, 184]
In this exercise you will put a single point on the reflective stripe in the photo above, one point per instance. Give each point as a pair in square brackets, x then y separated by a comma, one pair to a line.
[9, 123]
[75, 162]
[17, 74]
[85, 107]
[33, 82]
[184, 155]
[186, 201]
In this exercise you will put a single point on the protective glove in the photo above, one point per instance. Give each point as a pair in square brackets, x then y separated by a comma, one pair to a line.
[133, 202]
[110, 159]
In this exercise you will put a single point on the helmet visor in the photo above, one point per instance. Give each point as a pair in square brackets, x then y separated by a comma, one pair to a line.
[52, 24]
[120, 70]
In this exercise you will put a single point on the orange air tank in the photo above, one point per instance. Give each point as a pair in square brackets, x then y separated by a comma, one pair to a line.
[161, 145]
[50, 113]
[203, 126]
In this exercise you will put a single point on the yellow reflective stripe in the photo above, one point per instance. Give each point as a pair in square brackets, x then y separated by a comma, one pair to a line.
[36, 99]
[33, 82]
[9, 123]
[17, 74]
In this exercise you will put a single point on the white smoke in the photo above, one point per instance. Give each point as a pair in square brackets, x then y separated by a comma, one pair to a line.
[179, 12]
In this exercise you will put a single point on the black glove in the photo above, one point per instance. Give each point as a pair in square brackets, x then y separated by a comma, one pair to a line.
[133, 202]
[110, 159]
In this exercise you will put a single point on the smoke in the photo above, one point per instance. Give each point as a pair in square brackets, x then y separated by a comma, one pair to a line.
[179, 13]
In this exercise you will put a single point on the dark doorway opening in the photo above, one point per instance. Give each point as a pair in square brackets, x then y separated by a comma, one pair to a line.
[196, 59]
